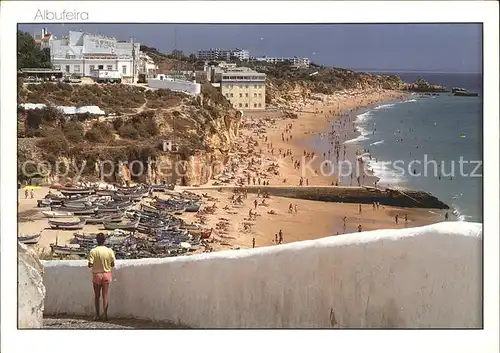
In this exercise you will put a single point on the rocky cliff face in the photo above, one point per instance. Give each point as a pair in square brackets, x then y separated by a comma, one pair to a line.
[203, 127]
[300, 86]
[31, 291]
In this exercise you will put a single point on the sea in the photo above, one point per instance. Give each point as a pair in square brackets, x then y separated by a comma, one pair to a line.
[430, 143]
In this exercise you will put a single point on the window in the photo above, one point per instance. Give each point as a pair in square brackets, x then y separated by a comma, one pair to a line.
[232, 95]
[255, 94]
[241, 95]
[92, 67]
[240, 105]
[260, 95]
[255, 86]
[227, 95]
[260, 105]
[246, 86]
[246, 105]
[255, 105]
[246, 95]
[67, 68]
[124, 69]
[100, 67]
[76, 68]
[110, 67]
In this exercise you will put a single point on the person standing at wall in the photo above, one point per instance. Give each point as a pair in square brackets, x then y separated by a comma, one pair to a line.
[101, 260]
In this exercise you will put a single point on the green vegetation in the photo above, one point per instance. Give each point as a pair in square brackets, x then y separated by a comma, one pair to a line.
[29, 55]
[140, 126]
[99, 132]
[56, 144]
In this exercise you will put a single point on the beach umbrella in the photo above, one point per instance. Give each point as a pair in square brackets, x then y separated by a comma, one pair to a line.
[31, 187]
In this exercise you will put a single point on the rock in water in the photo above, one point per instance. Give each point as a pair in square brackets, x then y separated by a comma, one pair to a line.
[30, 288]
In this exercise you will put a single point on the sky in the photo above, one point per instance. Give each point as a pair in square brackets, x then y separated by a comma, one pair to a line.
[376, 47]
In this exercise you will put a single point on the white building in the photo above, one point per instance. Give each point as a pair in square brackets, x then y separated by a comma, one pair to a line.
[223, 54]
[44, 38]
[162, 81]
[295, 61]
[81, 54]
[147, 66]
[243, 55]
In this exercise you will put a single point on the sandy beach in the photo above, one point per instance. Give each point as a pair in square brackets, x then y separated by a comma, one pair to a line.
[264, 138]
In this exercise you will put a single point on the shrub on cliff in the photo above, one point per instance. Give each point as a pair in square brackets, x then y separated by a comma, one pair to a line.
[99, 132]
[128, 132]
[56, 144]
[73, 131]
[142, 125]
[117, 123]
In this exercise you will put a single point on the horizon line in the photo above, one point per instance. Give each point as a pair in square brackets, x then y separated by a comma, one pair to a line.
[415, 71]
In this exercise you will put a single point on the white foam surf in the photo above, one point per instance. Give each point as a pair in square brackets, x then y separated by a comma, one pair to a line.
[387, 175]
[362, 117]
[359, 138]
[384, 106]
[377, 143]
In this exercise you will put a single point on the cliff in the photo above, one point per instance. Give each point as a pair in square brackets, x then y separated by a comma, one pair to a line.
[31, 291]
[202, 127]
[289, 85]
[285, 85]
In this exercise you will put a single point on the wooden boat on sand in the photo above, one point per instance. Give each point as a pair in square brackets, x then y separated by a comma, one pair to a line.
[57, 214]
[67, 250]
[125, 226]
[29, 239]
[66, 225]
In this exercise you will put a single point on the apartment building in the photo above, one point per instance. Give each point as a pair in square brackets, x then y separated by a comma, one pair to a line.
[294, 61]
[84, 54]
[214, 54]
[244, 88]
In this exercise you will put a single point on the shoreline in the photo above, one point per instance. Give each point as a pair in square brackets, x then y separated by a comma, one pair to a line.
[234, 228]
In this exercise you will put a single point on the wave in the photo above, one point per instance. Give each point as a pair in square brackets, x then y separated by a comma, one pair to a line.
[359, 138]
[383, 106]
[390, 105]
[457, 213]
[377, 143]
[387, 175]
[363, 117]
[363, 131]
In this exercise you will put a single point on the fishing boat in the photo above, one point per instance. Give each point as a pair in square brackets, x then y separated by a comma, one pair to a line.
[77, 211]
[458, 89]
[104, 209]
[57, 214]
[149, 208]
[193, 207]
[104, 192]
[125, 226]
[66, 225]
[86, 236]
[100, 218]
[76, 205]
[67, 250]
[129, 197]
[46, 202]
[29, 239]
[73, 191]
[465, 94]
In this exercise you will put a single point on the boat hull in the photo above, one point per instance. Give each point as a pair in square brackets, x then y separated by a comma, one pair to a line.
[66, 225]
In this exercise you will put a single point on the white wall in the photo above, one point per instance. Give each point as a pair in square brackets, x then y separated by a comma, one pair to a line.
[183, 86]
[420, 277]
